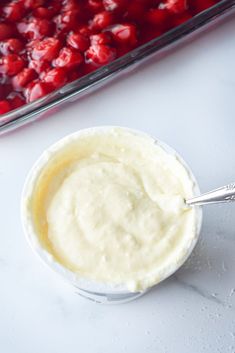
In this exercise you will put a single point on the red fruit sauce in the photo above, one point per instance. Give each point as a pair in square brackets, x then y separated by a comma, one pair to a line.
[45, 44]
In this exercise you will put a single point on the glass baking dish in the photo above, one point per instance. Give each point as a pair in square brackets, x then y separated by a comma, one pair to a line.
[126, 63]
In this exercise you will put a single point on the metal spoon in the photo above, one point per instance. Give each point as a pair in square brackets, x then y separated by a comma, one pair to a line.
[223, 194]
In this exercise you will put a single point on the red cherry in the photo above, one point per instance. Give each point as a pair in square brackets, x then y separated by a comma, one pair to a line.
[11, 64]
[5, 89]
[36, 90]
[181, 19]
[33, 4]
[157, 17]
[125, 34]
[176, 6]
[6, 31]
[57, 77]
[23, 78]
[14, 11]
[102, 20]
[48, 10]
[11, 46]
[71, 5]
[44, 12]
[101, 54]
[135, 11]
[201, 5]
[85, 31]
[46, 49]
[16, 100]
[78, 41]
[4, 107]
[68, 58]
[74, 75]
[35, 28]
[95, 5]
[115, 5]
[67, 20]
[39, 66]
[31, 44]
[150, 3]
[101, 38]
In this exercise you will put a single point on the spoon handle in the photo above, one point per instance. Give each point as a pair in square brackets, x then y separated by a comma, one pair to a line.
[224, 194]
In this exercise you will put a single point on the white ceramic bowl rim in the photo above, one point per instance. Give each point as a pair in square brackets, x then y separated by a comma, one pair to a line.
[46, 257]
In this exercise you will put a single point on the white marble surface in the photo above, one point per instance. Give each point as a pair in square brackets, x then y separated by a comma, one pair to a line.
[187, 100]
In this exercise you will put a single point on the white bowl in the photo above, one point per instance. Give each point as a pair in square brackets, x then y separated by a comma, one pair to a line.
[98, 292]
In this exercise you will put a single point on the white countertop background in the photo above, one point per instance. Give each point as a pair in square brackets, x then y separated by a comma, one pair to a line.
[186, 99]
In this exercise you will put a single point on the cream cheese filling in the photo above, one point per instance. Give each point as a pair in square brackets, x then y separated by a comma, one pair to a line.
[111, 207]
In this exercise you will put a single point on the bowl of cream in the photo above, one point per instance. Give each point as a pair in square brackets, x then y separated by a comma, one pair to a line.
[105, 208]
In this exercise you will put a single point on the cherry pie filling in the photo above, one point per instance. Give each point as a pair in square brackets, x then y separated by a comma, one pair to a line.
[45, 44]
